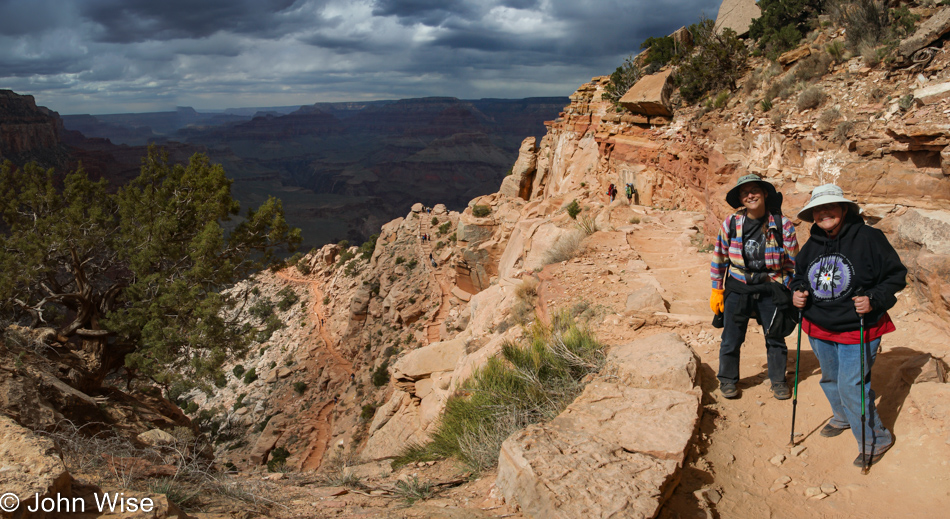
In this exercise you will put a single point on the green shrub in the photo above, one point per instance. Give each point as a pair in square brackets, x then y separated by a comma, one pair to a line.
[250, 375]
[812, 67]
[721, 99]
[344, 244]
[661, 51]
[766, 105]
[527, 383]
[587, 225]
[345, 256]
[626, 75]
[444, 228]
[262, 309]
[287, 299]
[220, 380]
[400, 259]
[300, 387]
[176, 491]
[481, 211]
[367, 412]
[191, 407]
[238, 371]
[906, 102]
[278, 458]
[304, 268]
[782, 24]
[718, 62]
[367, 248]
[381, 374]
[412, 490]
[411, 264]
[435, 221]
[573, 209]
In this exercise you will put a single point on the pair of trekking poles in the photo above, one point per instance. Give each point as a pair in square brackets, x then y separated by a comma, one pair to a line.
[798, 354]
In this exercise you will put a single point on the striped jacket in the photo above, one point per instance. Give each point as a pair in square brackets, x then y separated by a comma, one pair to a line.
[727, 254]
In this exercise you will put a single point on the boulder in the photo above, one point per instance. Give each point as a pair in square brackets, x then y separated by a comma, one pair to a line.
[268, 439]
[662, 361]
[922, 368]
[156, 437]
[360, 302]
[416, 207]
[31, 466]
[933, 93]
[439, 209]
[794, 55]
[518, 183]
[615, 452]
[737, 15]
[422, 362]
[646, 299]
[401, 430]
[927, 32]
[651, 95]
[373, 469]
[930, 229]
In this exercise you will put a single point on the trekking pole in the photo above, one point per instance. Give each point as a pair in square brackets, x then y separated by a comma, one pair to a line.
[798, 354]
[864, 457]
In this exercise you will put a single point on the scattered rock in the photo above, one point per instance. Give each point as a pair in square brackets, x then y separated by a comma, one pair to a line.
[828, 488]
[780, 483]
[798, 450]
[156, 437]
[778, 460]
[812, 491]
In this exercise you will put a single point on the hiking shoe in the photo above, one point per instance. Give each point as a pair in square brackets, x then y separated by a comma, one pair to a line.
[728, 390]
[872, 458]
[781, 391]
[830, 431]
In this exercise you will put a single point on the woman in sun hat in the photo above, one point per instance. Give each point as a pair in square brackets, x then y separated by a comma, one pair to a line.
[753, 261]
[846, 270]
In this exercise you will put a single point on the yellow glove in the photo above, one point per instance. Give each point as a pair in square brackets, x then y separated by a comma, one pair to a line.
[715, 301]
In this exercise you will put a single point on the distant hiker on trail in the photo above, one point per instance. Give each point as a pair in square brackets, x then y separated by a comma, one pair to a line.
[431, 259]
[612, 192]
[629, 192]
[846, 279]
[753, 262]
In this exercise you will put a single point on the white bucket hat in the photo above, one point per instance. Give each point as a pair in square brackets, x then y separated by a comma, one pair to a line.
[826, 194]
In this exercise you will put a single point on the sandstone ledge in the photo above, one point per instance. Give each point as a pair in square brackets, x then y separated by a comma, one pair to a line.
[618, 449]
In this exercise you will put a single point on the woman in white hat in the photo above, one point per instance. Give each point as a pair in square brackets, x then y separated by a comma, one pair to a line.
[753, 261]
[847, 270]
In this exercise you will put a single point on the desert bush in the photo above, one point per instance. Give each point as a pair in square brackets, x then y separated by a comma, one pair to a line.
[717, 63]
[300, 387]
[812, 67]
[836, 51]
[869, 23]
[367, 248]
[412, 490]
[573, 209]
[250, 375]
[776, 118]
[841, 132]
[828, 118]
[444, 228]
[811, 97]
[481, 211]
[566, 247]
[177, 492]
[587, 225]
[527, 383]
[634, 220]
[238, 371]
[766, 105]
[626, 75]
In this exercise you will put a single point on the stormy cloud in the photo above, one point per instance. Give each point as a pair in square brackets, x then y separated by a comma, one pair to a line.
[107, 56]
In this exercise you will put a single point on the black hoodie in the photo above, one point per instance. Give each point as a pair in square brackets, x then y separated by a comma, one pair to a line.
[832, 269]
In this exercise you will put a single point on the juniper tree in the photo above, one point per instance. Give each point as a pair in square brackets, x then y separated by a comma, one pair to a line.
[136, 277]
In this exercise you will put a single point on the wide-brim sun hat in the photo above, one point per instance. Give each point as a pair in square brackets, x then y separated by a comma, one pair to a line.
[732, 197]
[826, 194]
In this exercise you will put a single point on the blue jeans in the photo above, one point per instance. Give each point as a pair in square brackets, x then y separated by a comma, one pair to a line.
[733, 335]
[841, 381]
